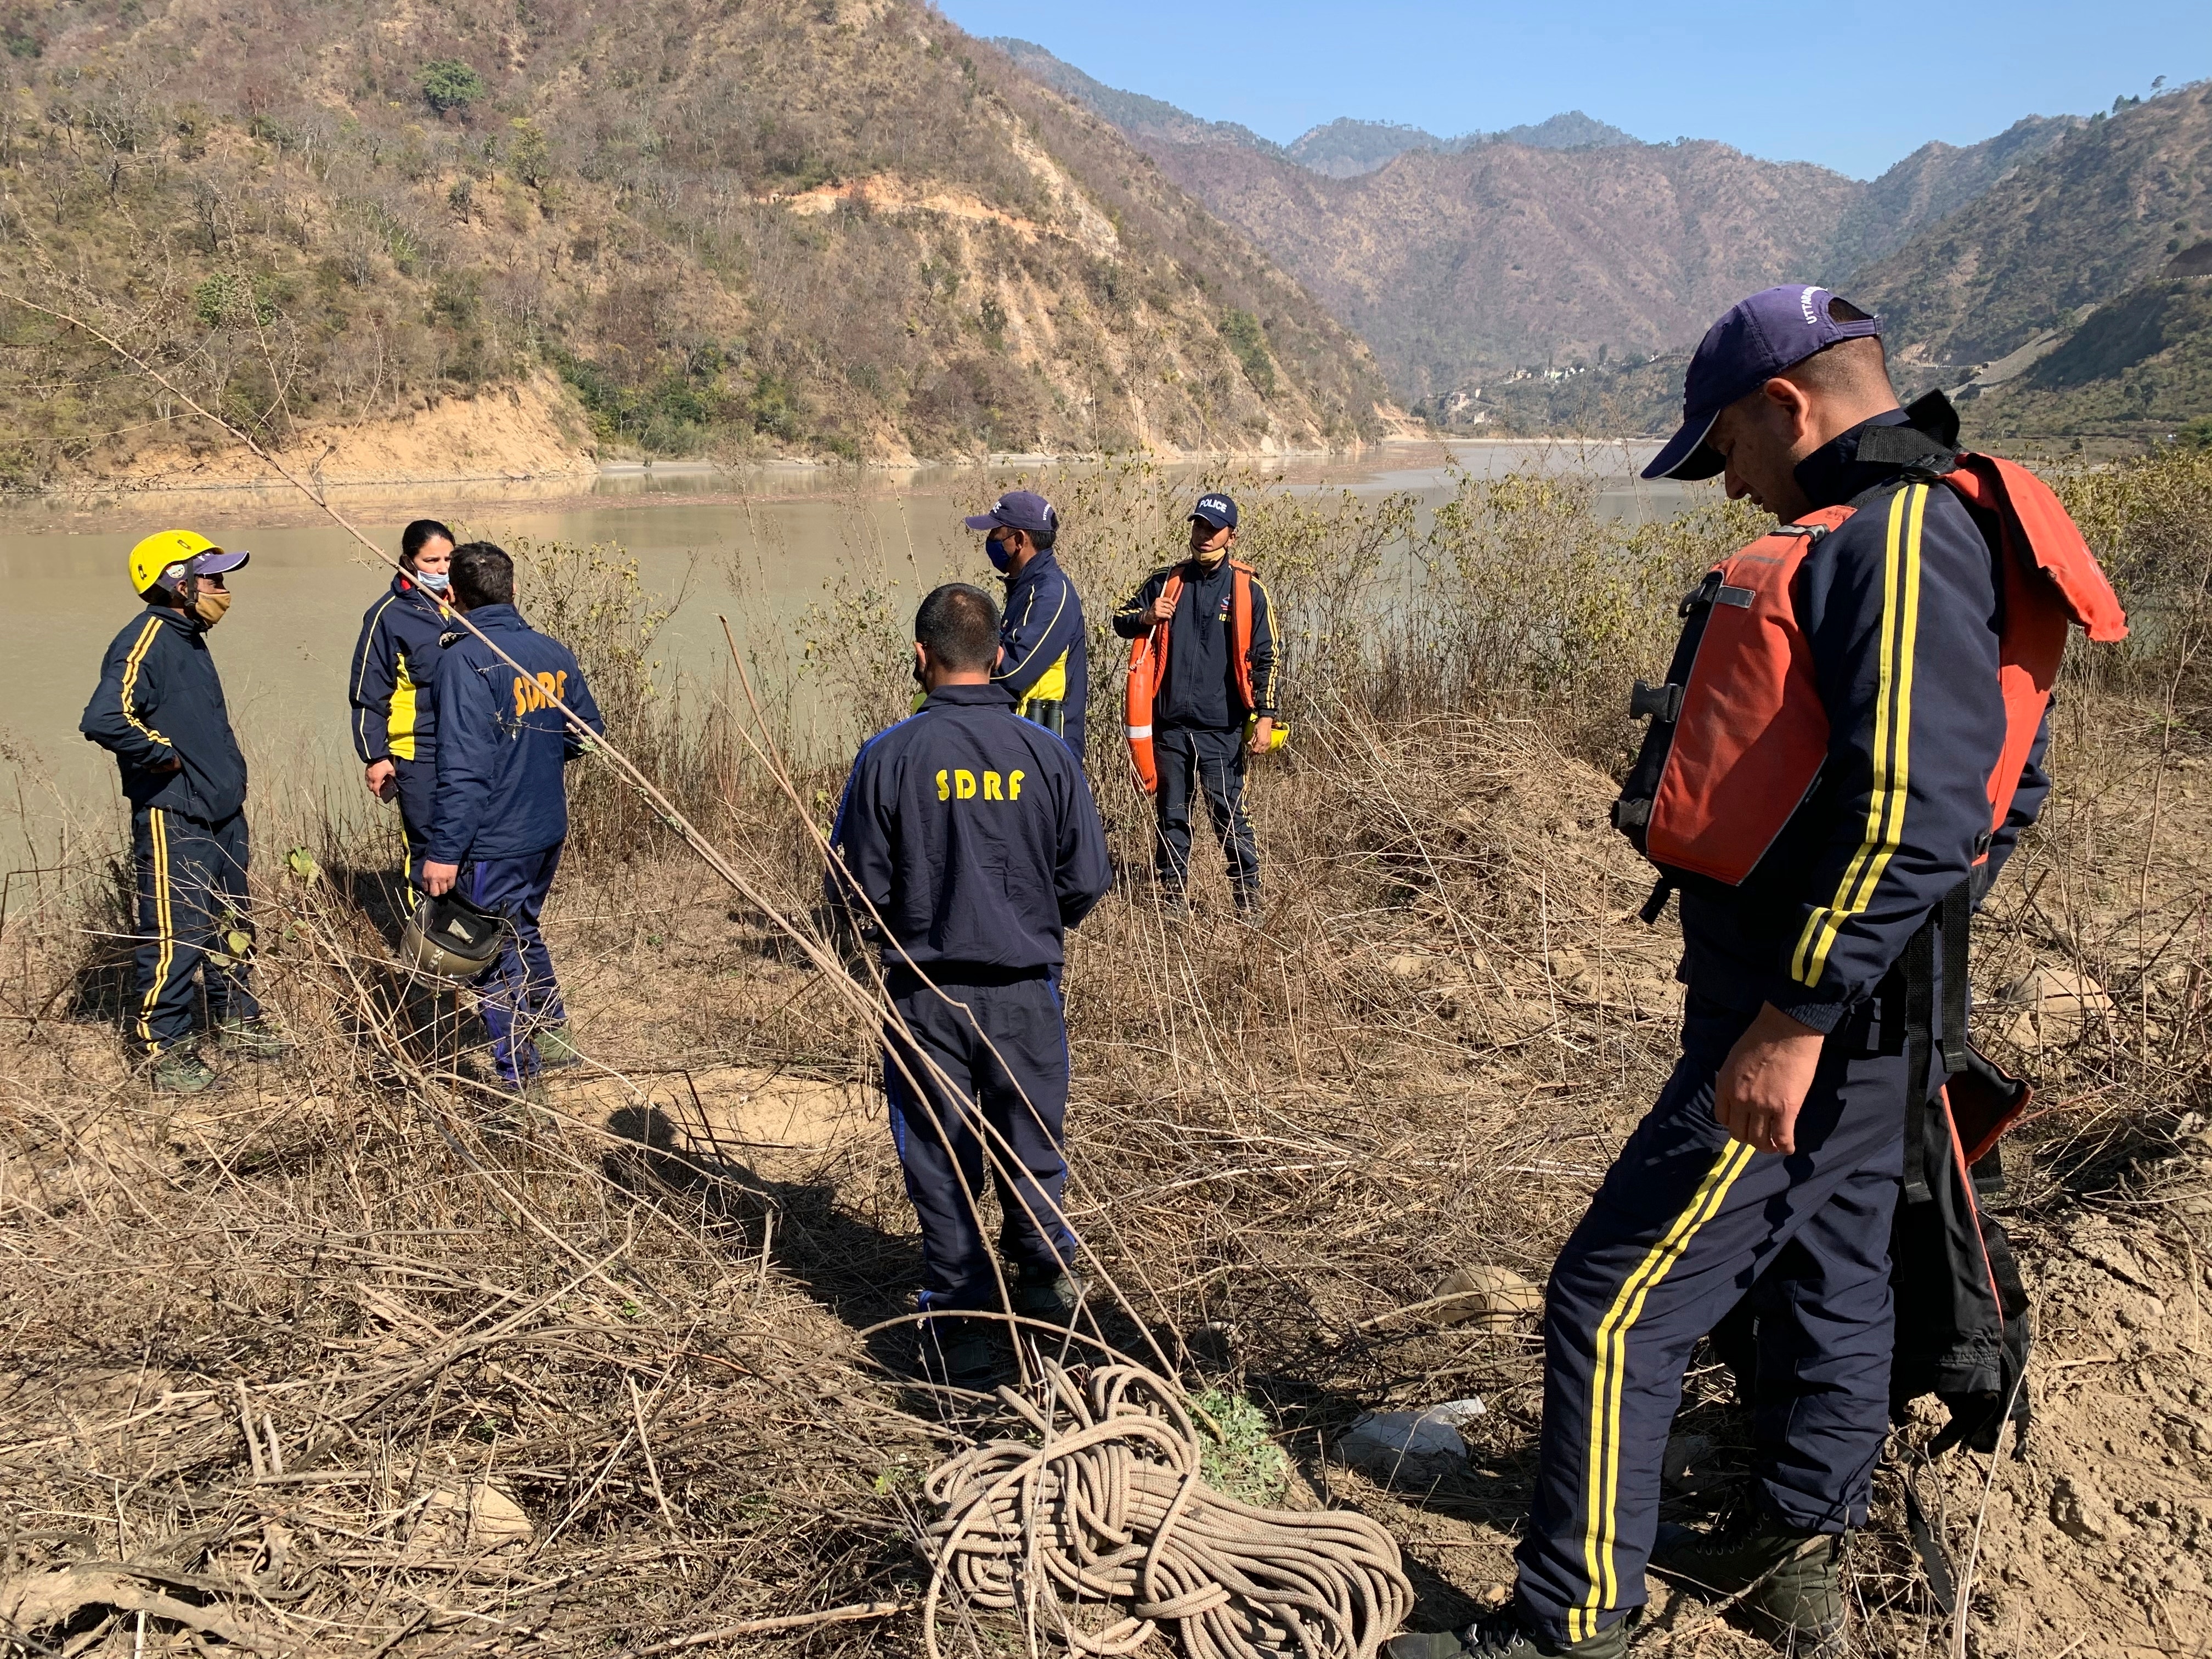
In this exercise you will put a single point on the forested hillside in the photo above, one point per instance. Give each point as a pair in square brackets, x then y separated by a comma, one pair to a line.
[835, 228]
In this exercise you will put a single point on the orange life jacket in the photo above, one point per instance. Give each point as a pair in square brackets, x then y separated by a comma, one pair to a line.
[1148, 667]
[1734, 750]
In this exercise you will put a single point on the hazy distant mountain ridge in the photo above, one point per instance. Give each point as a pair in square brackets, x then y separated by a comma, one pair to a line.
[1460, 260]
[1341, 148]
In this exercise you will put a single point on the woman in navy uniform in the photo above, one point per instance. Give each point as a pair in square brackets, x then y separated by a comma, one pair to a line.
[395, 720]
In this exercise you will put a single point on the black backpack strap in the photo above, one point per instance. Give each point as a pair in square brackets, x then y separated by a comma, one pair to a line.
[1920, 1047]
[1956, 914]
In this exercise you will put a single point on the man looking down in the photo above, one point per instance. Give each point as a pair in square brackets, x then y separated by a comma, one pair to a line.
[1771, 1164]
[967, 844]
[501, 813]
[1044, 656]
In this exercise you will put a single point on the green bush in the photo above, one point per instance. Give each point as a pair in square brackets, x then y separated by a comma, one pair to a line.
[448, 83]
[1248, 342]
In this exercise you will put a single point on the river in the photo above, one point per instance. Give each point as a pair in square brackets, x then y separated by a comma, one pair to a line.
[758, 546]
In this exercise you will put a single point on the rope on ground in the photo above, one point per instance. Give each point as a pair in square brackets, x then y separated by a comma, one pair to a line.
[1100, 1500]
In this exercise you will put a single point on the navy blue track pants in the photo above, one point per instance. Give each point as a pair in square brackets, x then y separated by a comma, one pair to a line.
[1685, 1222]
[519, 993]
[192, 917]
[1003, 1050]
[416, 782]
[1213, 764]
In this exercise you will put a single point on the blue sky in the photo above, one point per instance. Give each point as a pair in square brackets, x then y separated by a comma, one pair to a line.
[1853, 87]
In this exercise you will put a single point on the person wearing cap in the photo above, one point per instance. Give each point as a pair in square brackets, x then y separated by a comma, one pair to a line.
[1216, 703]
[395, 722]
[159, 709]
[1043, 653]
[1768, 1172]
[967, 844]
[499, 815]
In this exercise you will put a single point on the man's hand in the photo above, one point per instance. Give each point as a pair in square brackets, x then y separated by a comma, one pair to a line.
[1765, 1080]
[1263, 734]
[1164, 608]
[380, 776]
[438, 878]
[172, 764]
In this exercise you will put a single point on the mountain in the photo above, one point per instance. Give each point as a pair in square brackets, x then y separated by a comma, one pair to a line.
[807, 227]
[1341, 148]
[2013, 288]
[1344, 149]
[1462, 260]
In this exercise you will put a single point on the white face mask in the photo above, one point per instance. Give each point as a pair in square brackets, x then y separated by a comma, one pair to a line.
[437, 581]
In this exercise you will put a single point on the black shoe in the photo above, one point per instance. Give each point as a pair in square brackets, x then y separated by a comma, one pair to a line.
[957, 1353]
[1792, 1581]
[1502, 1636]
[1051, 1293]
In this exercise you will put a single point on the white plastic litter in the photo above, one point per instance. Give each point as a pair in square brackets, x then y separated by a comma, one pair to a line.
[1413, 1446]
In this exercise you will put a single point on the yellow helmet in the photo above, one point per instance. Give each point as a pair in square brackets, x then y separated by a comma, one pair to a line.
[164, 560]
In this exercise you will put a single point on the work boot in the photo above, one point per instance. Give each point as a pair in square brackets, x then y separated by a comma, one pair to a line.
[957, 1353]
[1051, 1293]
[251, 1039]
[1793, 1579]
[556, 1048]
[1502, 1636]
[182, 1071]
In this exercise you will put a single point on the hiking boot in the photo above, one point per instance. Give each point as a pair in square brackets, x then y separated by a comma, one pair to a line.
[251, 1039]
[182, 1071]
[957, 1353]
[1792, 1580]
[1502, 1636]
[1051, 1293]
[556, 1048]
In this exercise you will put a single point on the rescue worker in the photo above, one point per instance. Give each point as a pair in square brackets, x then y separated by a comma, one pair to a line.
[500, 812]
[1771, 1161]
[395, 721]
[159, 709]
[968, 843]
[1212, 697]
[1044, 656]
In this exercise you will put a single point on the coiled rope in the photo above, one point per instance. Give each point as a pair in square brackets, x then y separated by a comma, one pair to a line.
[1107, 1505]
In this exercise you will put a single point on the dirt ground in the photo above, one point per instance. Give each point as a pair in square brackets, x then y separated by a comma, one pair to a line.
[1421, 1062]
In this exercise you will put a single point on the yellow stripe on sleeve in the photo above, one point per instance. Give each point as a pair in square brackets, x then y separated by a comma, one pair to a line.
[1893, 739]
[130, 665]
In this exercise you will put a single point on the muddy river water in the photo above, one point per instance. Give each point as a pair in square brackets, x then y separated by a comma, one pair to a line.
[757, 546]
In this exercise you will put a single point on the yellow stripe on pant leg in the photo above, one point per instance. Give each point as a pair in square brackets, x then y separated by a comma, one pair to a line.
[1605, 1380]
[164, 920]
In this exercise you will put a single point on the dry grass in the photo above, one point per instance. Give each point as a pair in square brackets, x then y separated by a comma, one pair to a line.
[264, 1349]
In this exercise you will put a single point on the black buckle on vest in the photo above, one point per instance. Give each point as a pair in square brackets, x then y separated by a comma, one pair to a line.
[1664, 702]
[1630, 814]
[1713, 590]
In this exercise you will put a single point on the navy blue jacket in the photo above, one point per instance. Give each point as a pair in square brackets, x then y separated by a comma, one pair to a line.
[973, 834]
[1047, 654]
[1899, 607]
[1201, 692]
[501, 743]
[160, 700]
[394, 665]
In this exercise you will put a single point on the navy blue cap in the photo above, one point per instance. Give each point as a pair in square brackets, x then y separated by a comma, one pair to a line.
[1756, 340]
[1217, 510]
[1019, 509]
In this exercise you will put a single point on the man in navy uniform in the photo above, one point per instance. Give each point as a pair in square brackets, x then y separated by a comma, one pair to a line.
[159, 709]
[501, 813]
[967, 844]
[1044, 656]
[1771, 1163]
[1216, 705]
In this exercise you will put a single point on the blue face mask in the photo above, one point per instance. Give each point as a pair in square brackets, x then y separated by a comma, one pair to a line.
[437, 583]
[1001, 559]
